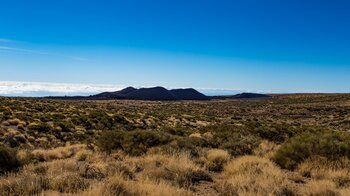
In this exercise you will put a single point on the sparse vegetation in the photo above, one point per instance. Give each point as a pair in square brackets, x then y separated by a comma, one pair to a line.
[288, 145]
[330, 144]
[8, 159]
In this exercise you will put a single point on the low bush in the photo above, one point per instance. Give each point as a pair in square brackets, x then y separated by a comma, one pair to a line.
[277, 133]
[251, 175]
[178, 169]
[133, 142]
[8, 160]
[66, 126]
[68, 183]
[325, 143]
[321, 168]
[236, 140]
[119, 186]
[40, 126]
[191, 143]
[216, 159]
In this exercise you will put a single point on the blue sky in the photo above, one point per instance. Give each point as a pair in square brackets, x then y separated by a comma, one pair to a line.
[263, 46]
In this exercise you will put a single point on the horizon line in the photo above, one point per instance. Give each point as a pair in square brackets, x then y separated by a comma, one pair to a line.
[42, 89]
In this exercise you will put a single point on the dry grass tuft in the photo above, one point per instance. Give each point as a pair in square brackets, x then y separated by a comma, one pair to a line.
[57, 153]
[119, 186]
[178, 169]
[216, 159]
[83, 155]
[24, 184]
[68, 183]
[320, 168]
[251, 175]
[266, 149]
[320, 188]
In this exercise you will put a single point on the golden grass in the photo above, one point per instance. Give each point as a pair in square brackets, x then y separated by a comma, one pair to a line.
[216, 158]
[24, 184]
[57, 153]
[319, 168]
[320, 188]
[85, 172]
[266, 149]
[100, 174]
[178, 169]
[119, 186]
[68, 182]
[251, 175]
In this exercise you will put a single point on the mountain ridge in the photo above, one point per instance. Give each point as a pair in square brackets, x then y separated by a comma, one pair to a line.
[159, 93]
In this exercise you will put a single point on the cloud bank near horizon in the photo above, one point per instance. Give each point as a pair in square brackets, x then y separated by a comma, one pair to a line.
[40, 89]
[33, 89]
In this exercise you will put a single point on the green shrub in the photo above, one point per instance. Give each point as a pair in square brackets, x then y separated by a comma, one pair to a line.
[326, 143]
[66, 126]
[8, 160]
[277, 133]
[133, 142]
[40, 126]
[236, 140]
[174, 130]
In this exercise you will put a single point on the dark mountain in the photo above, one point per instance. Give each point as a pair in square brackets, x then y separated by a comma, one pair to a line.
[250, 96]
[243, 96]
[114, 95]
[188, 94]
[155, 93]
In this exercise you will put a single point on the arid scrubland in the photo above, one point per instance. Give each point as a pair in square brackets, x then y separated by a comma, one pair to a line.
[288, 145]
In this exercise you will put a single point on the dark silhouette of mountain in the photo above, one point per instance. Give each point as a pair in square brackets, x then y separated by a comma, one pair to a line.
[114, 95]
[188, 94]
[243, 96]
[250, 96]
[154, 93]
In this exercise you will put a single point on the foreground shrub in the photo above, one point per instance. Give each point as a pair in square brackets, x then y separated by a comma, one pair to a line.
[23, 184]
[216, 159]
[8, 160]
[178, 169]
[236, 140]
[56, 153]
[68, 183]
[266, 149]
[251, 175]
[329, 144]
[320, 187]
[133, 142]
[119, 186]
[321, 168]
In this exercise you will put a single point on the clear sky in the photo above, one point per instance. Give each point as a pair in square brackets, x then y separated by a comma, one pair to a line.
[251, 45]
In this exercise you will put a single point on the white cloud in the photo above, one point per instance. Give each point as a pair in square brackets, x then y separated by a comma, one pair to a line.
[40, 89]
[13, 88]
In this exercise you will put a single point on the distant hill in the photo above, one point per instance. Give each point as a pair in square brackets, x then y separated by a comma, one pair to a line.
[161, 94]
[250, 96]
[243, 96]
[188, 94]
[154, 93]
[114, 95]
